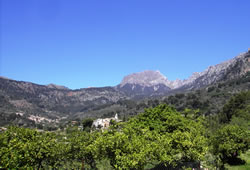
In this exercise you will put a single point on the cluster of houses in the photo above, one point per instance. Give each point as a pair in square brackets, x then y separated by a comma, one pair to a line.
[98, 123]
[104, 123]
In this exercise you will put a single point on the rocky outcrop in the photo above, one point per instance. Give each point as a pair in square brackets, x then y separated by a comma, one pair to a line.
[227, 70]
[147, 78]
[54, 86]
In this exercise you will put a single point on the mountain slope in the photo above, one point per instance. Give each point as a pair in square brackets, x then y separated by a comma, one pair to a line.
[53, 103]
[227, 70]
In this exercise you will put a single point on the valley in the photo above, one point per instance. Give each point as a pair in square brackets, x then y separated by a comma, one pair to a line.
[24, 103]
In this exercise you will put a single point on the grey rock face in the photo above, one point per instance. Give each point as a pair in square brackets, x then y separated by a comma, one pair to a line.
[230, 69]
[54, 86]
[146, 78]
[146, 83]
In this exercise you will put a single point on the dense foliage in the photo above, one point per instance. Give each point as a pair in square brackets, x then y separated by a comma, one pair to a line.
[26, 148]
[229, 142]
[232, 136]
[158, 136]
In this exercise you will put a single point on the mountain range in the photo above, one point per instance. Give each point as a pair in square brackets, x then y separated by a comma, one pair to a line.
[154, 83]
[21, 100]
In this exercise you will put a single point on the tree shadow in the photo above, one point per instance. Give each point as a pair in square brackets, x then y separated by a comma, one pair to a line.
[236, 161]
[182, 165]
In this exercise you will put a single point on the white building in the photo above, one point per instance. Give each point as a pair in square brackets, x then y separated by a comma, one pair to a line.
[104, 123]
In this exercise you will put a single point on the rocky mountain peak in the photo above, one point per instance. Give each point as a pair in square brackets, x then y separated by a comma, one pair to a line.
[54, 86]
[146, 78]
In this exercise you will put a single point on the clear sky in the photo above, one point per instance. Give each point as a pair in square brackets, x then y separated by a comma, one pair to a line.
[83, 43]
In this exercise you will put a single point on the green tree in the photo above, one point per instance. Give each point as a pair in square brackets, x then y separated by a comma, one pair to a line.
[27, 148]
[159, 135]
[81, 147]
[86, 124]
[228, 143]
[234, 107]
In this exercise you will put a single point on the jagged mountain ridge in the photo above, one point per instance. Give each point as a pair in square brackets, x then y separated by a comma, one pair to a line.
[150, 78]
[227, 70]
[159, 84]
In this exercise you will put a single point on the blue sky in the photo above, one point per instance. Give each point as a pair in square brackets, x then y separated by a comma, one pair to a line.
[83, 43]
